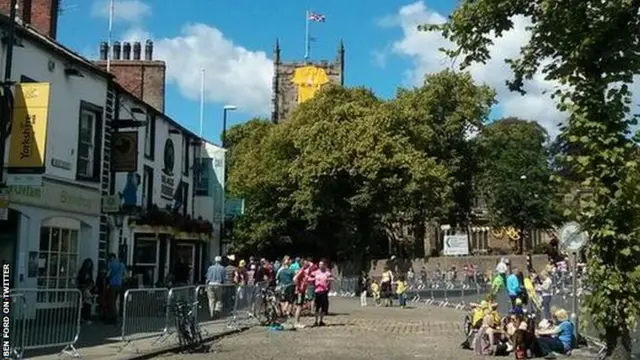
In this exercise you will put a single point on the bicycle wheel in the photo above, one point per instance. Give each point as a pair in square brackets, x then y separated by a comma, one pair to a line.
[466, 325]
[196, 334]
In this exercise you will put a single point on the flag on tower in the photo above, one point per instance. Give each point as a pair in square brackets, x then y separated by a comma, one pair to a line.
[313, 16]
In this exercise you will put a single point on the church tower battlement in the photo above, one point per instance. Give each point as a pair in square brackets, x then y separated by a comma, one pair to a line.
[297, 81]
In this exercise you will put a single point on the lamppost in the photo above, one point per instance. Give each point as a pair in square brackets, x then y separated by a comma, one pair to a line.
[225, 110]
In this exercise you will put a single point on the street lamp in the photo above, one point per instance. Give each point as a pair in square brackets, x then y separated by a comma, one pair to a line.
[226, 109]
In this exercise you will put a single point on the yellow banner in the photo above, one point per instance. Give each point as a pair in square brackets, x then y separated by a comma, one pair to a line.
[309, 79]
[29, 128]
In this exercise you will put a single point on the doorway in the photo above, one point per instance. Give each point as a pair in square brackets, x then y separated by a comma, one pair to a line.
[9, 240]
[184, 263]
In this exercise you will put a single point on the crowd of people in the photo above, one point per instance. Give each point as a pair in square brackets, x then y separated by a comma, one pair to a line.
[298, 283]
[519, 331]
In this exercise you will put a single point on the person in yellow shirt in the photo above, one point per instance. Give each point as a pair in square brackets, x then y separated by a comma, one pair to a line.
[401, 291]
[375, 291]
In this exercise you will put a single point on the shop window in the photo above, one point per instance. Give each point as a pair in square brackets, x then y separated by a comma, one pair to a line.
[57, 263]
[145, 260]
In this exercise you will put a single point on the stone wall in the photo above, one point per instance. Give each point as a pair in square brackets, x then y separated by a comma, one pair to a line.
[483, 263]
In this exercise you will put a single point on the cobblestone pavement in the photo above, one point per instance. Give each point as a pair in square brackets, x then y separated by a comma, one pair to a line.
[354, 333]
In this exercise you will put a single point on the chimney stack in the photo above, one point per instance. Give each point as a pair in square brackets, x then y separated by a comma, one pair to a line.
[104, 50]
[144, 78]
[126, 51]
[116, 51]
[137, 49]
[40, 15]
[148, 50]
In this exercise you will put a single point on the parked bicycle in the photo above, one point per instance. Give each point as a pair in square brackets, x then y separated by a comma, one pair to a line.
[187, 327]
[268, 311]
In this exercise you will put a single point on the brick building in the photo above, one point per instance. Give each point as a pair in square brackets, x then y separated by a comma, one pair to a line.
[288, 90]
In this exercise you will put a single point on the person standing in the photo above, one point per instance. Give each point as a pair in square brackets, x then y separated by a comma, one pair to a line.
[215, 278]
[364, 286]
[321, 279]
[545, 289]
[85, 285]
[284, 282]
[301, 281]
[115, 282]
[514, 287]
[386, 287]
[502, 268]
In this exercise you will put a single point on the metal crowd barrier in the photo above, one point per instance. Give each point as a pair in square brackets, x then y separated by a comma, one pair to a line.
[148, 313]
[45, 318]
[144, 314]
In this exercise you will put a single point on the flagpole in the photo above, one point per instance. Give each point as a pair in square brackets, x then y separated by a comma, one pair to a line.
[201, 101]
[306, 36]
[111, 10]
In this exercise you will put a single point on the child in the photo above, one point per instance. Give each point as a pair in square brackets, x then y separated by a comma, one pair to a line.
[401, 291]
[375, 291]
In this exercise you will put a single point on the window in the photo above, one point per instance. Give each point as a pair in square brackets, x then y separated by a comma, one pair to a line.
[145, 259]
[86, 144]
[89, 141]
[203, 176]
[57, 263]
[147, 188]
[185, 198]
[150, 136]
[185, 155]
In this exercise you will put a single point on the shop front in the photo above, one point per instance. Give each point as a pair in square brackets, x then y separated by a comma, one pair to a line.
[53, 229]
[166, 249]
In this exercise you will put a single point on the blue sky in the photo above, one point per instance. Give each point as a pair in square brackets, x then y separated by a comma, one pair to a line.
[233, 41]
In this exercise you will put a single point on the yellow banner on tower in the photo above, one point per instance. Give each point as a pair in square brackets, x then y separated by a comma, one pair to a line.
[29, 128]
[309, 79]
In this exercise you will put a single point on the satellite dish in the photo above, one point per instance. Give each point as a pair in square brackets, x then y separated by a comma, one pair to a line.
[572, 237]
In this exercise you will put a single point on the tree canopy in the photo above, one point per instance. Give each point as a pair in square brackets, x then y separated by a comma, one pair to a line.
[515, 175]
[590, 49]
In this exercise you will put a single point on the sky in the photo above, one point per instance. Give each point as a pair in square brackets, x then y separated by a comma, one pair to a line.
[233, 41]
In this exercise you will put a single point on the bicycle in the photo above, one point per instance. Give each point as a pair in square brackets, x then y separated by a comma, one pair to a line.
[187, 327]
[267, 311]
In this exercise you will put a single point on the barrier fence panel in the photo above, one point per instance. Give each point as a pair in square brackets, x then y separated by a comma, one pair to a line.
[48, 318]
[16, 321]
[244, 309]
[215, 302]
[144, 314]
[186, 294]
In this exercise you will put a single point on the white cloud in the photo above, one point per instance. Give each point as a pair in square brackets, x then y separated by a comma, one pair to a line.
[422, 48]
[132, 11]
[233, 74]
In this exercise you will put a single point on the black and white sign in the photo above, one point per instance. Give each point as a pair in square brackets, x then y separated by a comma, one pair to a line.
[572, 237]
[456, 245]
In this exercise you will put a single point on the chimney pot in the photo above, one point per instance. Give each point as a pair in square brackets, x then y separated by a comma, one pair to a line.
[126, 51]
[137, 49]
[104, 50]
[148, 50]
[116, 50]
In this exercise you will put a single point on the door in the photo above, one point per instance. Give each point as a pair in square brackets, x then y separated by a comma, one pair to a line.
[9, 240]
[184, 263]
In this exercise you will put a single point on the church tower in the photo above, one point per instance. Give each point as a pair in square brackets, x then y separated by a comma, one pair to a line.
[297, 81]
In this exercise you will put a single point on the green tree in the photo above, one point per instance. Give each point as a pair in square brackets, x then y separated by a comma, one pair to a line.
[255, 175]
[352, 166]
[438, 119]
[515, 176]
[590, 47]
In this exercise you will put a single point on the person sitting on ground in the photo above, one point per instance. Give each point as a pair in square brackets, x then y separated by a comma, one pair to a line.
[558, 338]
[485, 341]
[518, 308]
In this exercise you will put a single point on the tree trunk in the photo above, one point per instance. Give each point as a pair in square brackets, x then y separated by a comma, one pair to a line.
[618, 344]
